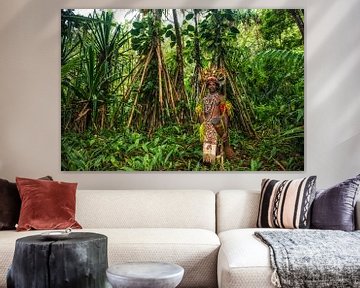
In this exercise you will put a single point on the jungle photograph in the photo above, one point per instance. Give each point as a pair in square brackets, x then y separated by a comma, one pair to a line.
[182, 89]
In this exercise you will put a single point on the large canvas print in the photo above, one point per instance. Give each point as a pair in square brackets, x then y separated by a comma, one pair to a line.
[182, 90]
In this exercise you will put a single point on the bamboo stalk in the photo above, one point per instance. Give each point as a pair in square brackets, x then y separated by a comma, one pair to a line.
[127, 93]
[166, 89]
[171, 90]
[242, 115]
[244, 96]
[147, 62]
[132, 110]
[159, 77]
[146, 65]
[281, 166]
[153, 123]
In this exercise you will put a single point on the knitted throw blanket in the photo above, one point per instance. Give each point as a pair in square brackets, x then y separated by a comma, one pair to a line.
[313, 258]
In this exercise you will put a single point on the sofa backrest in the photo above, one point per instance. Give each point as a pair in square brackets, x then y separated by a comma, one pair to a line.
[146, 209]
[239, 209]
[236, 209]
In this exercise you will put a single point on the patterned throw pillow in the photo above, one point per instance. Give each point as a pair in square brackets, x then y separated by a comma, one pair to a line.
[286, 204]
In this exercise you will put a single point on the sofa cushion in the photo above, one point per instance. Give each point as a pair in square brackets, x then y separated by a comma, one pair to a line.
[10, 204]
[286, 204]
[196, 250]
[236, 209]
[244, 260]
[334, 208]
[153, 209]
[46, 204]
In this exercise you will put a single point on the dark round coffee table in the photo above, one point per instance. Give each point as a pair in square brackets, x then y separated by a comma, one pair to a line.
[145, 275]
[79, 260]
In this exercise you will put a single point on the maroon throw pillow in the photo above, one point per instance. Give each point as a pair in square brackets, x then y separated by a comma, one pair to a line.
[10, 204]
[46, 204]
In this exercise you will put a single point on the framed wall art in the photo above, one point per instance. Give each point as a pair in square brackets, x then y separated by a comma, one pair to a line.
[182, 90]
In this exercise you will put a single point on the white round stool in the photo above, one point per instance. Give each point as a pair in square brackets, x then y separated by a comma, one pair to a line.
[145, 275]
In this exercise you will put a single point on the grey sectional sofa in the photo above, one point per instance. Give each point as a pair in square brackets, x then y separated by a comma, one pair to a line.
[209, 234]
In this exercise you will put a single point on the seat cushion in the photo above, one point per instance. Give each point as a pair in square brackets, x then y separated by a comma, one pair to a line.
[244, 261]
[196, 250]
[146, 209]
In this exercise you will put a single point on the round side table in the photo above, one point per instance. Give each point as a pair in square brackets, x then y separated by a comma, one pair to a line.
[145, 275]
[78, 261]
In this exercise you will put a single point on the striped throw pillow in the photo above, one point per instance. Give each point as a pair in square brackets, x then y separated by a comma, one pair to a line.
[286, 204]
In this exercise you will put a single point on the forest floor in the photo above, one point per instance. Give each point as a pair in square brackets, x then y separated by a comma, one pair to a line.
[174, 148]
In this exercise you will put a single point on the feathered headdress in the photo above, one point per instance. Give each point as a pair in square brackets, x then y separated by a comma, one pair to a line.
[213, 74]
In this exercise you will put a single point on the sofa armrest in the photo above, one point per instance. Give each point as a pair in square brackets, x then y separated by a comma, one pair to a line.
[357, 215]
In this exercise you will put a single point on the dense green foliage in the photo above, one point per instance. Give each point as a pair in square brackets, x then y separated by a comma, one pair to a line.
[128, 100]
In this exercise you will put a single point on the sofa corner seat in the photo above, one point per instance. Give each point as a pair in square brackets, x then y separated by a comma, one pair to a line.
[244, 260]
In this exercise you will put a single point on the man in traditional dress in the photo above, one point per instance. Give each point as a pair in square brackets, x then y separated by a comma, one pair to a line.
[215, 121]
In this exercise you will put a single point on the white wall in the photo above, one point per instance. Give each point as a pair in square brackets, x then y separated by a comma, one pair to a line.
[30, 95]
